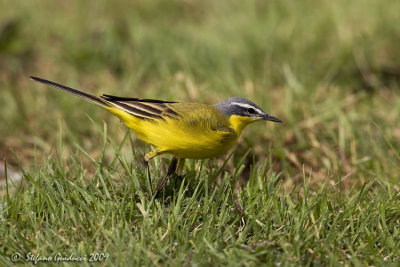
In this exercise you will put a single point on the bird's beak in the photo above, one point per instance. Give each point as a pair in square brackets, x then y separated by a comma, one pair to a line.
[271, 118]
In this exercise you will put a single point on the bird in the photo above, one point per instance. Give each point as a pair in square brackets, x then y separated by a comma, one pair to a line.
[184, 130]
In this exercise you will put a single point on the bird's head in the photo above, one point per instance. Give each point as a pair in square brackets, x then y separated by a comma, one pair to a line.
[241, 112]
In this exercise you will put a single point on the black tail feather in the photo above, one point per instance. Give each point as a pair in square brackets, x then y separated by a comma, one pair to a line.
[90, 98]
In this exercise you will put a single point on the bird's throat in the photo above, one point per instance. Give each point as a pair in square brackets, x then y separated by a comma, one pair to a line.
[238, 123]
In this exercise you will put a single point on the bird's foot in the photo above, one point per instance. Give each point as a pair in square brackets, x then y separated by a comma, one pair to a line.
[170, 172]
[189, 188]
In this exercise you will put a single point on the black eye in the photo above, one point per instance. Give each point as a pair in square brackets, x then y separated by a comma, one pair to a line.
[251, 110]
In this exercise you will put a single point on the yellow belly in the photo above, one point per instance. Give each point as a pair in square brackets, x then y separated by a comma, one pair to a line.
[180, 138]
[173, 137]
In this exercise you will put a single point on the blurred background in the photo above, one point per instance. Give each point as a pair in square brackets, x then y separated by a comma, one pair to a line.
[329, 69]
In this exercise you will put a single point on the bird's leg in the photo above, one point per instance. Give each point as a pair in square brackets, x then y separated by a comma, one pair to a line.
[181, 166]
[171, 170]
[147, 157]
[146, 163]
[179, 172]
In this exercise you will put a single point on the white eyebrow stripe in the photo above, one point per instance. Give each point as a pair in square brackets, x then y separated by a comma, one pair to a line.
[244, 105]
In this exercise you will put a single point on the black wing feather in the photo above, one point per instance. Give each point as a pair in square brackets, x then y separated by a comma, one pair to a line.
[119, 98]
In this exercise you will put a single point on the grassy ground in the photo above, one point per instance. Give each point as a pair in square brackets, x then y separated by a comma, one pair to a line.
[320, 189]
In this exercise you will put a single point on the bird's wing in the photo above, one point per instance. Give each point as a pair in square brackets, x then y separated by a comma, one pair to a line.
[206, 120]
[143, 108]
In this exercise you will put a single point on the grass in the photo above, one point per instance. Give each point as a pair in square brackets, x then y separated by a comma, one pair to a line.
[63, 211]
[320, 189]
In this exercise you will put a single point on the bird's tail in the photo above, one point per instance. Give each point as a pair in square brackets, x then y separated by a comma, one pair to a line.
[90, 98]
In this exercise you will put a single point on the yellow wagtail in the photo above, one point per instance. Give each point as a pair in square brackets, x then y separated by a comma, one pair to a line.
[185, 130]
